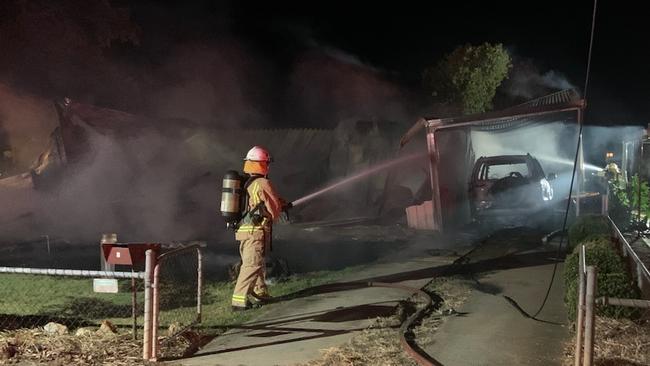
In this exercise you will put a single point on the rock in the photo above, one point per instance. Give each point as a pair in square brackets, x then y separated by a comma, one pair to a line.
[107, 328]
[55, 328]
[84, 331]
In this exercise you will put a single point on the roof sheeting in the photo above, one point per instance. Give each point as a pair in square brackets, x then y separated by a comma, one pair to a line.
[561, 97]
[507, 124]
[556, 107]
[561, 106]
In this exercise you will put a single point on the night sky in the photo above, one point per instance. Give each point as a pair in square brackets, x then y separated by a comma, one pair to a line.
[402, 39]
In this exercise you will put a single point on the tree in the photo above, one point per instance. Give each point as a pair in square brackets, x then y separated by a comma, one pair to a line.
[469, 76]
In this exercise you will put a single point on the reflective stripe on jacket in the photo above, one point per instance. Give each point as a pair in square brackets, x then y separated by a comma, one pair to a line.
[260, 191]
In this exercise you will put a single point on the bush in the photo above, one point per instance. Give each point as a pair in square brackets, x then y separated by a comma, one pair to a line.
[587, 227]
[633, 194]
[619, 203]
[599, 253]
[612, 278]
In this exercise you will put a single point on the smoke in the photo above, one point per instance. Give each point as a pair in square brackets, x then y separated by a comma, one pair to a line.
[600, 139]
[528, 82]
[26, 122]
[153, 187]
[139, 186]
[329, 85]
[549, 143]
[554, 145]
[218, 84]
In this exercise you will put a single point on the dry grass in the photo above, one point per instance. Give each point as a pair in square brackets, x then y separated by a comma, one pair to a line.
[379, 344]
[35, 346]
[617, 342]
[454, 291]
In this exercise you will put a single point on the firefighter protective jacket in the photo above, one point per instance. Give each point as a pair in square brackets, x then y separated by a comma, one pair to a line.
[262, 200]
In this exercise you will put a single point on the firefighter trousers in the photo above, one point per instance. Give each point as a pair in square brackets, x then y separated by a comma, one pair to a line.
[252, 273]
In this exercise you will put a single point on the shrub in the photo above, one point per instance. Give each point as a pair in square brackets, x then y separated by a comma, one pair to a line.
[587, 227]
[612, 278]
[619, 203]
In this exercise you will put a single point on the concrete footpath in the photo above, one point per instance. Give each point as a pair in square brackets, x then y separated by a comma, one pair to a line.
[295, 330]
[491, 331]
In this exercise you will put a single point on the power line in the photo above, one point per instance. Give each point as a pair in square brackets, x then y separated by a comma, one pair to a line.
[575, 163]
[591, 44]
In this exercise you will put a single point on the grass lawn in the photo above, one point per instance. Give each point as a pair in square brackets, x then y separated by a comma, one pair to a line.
[36, 299]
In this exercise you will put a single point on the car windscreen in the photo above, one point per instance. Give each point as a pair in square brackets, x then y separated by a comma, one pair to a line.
[498, 171]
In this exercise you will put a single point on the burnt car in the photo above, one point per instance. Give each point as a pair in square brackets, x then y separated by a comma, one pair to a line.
[510, 190]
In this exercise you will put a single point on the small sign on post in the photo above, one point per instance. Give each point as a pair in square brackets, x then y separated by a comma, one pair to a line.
[106, 239]
[105, 285]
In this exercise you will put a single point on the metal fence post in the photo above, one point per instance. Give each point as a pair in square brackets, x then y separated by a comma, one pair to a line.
[156, 311]
[148, 269]
[589, 316]
[581, 306]
[199, 292]
[432, 149]
[156, 279]
[134, 307]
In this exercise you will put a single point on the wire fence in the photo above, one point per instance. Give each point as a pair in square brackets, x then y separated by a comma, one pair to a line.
[588, 299]
[178, 295]
[153, 306]
[32, 298]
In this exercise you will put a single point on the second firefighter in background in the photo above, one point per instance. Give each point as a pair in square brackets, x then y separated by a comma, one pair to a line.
[264, 206]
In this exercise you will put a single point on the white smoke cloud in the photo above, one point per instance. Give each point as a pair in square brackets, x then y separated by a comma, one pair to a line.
[556, 80]
[218, 84]
[528, 82]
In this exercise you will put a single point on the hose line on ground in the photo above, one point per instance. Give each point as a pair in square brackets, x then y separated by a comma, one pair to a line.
[419, 356]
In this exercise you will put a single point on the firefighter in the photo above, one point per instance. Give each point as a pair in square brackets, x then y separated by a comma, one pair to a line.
[612, 171]
[254, 230]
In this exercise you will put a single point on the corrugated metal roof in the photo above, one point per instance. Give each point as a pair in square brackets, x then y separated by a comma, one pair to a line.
[560, 106]
[557, 98]
[556, 107]
[509, 124]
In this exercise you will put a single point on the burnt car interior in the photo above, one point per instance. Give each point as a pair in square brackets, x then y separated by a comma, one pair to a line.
[506, 178]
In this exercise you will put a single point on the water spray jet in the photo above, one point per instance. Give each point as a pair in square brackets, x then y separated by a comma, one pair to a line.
[568, 162]
[555, 159]
[353, 178]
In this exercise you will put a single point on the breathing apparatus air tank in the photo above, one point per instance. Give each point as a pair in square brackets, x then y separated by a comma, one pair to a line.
[231, 198]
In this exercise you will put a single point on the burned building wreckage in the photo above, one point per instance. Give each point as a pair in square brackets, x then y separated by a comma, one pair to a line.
[104, 170]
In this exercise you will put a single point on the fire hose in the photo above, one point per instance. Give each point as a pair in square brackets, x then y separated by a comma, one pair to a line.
[420, 357]
[412, 350]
